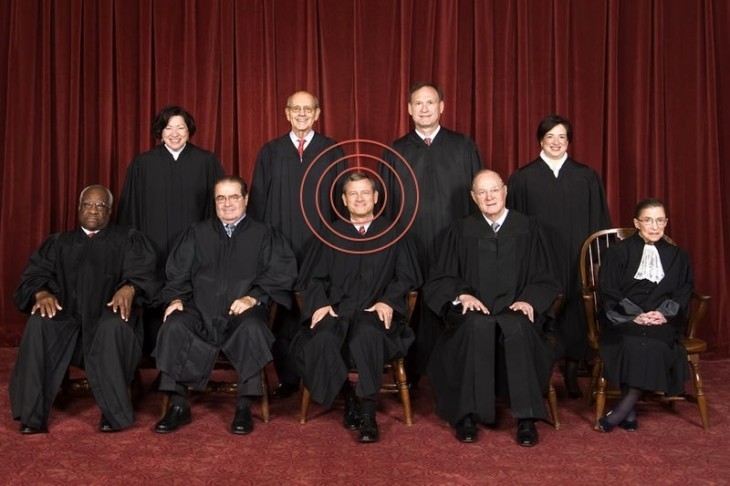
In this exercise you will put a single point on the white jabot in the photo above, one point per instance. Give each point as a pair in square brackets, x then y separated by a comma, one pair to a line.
[555, 165]
[650, 267]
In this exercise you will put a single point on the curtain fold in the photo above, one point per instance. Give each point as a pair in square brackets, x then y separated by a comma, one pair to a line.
[644, 84]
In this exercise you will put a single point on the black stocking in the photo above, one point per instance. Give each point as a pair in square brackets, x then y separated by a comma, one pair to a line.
[625, 410]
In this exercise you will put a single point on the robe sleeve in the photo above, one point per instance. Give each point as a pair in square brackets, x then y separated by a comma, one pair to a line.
[179, 267]
[278, 271]
[599, 214]
[128, 210]
[215, 173]
[139, 267]
[407, 277]
[39, 274]
[260, 183]
[313, 282]
[540, 289]
[444, 283]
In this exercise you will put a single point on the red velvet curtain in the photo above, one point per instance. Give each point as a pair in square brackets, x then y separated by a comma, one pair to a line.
[643, 83]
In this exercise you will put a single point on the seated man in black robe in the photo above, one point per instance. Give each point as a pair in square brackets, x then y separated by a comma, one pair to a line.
[492, 283]
[79, 288]
[222, 275]
[355, 295]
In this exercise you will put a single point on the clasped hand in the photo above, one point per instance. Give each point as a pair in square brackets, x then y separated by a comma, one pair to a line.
[651, 318]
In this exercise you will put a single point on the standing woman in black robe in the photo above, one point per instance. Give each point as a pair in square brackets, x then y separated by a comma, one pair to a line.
[166, 190]
[646, 285]
[568, 199]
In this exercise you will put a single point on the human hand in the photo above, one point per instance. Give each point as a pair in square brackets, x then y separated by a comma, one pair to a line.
[175, 305]
[46, 303]
[320, 313]
[471, 303]
[525, 308]
[239, 306]
[122, 301]
[385, 313]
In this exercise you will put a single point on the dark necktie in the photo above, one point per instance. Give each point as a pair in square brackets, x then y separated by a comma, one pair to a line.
[300, 148]
[92, 234]
[428, 141]
[362, 230]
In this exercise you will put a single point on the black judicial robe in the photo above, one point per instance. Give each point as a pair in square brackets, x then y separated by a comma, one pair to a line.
[83, 273]
[351, 283]
[645, 357]
[475, 349]
[162, 196]
[444, 171]
[570, 208]
[275, 188]
[207, 270]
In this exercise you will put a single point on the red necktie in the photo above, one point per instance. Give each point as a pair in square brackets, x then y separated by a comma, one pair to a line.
[300, 148]
[428, 141]
[362, 230]
[91, 235]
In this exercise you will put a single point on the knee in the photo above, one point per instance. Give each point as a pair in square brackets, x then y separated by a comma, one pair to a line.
[33, 326]
[112, 326]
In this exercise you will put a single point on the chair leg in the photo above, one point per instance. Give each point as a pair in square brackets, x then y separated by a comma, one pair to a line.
[306, 396]
[264, 395]
[694, 362]
[553, 401]
[600, 398]
[595, 374]
[401, 382]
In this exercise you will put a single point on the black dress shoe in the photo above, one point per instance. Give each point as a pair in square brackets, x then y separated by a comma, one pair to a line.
[526, 433]
[351, 418]
[242, 423]
[368, 428]
[105, 425]
[466, 430]
[630, 425]
[284, 390]
[28, 430]
[176, 416]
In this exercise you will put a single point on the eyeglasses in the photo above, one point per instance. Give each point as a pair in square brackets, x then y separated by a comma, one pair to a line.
[299, 109]
[651, 221]
[100, 206]
[493, 191]
[234, 198]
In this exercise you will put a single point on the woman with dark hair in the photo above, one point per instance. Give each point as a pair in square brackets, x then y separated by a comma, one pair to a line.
[167, 189]
[568, 199]
[646, 286]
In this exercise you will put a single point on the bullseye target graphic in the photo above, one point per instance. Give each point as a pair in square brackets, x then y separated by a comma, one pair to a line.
[336, 239]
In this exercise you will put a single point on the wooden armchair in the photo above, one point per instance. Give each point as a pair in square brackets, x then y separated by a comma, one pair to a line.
[590, 257]
[399, 384]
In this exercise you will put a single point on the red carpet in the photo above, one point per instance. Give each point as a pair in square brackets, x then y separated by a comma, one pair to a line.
[670, 447]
